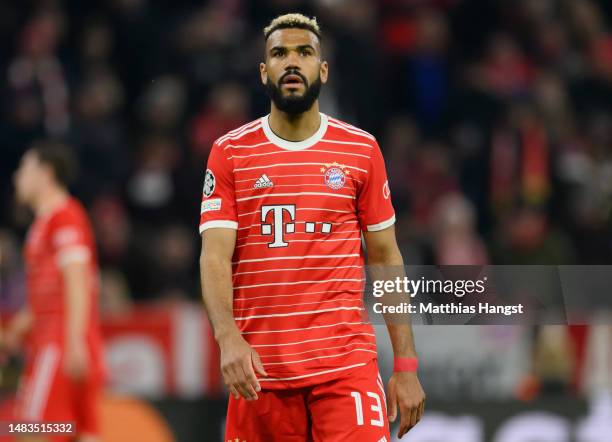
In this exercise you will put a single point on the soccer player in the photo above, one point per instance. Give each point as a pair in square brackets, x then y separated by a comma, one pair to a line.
[286, 199]
[63, 372]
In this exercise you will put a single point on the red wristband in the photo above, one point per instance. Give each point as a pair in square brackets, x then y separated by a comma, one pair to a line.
[405, 364]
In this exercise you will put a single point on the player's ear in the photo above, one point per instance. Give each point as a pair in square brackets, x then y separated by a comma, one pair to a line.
[324, 71]
[263, 73]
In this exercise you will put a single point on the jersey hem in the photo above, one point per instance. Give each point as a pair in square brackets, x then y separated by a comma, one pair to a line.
[301, 381]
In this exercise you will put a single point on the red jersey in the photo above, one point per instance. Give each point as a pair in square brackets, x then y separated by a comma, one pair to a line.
[54, 240]
[299, 209]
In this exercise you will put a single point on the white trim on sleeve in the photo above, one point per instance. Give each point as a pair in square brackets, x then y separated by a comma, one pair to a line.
[219, 223]
[72, 254]
[382, 225]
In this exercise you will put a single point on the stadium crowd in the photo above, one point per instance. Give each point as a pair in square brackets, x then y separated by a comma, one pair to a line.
[495, 118]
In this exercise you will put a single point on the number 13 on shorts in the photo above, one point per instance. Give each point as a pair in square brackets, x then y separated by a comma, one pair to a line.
[375, 406]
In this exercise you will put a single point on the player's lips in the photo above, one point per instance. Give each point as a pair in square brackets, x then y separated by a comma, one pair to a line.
[292, 80]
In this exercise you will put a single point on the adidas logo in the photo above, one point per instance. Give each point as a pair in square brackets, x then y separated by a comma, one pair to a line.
[263, 181]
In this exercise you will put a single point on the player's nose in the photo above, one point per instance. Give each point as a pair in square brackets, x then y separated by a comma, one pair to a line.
[292, 61]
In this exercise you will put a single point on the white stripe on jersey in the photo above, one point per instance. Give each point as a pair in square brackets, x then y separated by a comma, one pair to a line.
[312, 374]
[281, 355]
[351, 127]
[303, 313]
[241, 134]
[301, 268]
[330, 233]
[291, 176]
[312, 340]
[301, 303]
[301, 240]
[321, 281]
[283, 185]
[267, 195]
[319, 357]
[246, 146]
[267, 166]
[306, 328]
[235, 132]
[241, 131]
[304, 222]
[352, 143]
[277, 258]
[223, 137]
[309, 150]
[296, 294]
[244, 126]
[300, 208]
[346, 129]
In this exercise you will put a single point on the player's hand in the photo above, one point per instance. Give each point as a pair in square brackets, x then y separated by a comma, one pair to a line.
[76, 361]
[405, 392]
[239, 362]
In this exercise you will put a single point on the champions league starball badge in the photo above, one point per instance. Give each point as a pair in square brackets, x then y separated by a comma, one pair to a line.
[335, 175]
[209, 183]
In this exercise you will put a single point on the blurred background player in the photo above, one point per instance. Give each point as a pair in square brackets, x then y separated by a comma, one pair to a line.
[63, 373]
[286, 199]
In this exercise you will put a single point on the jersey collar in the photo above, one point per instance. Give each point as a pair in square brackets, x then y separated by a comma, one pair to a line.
[294, 145]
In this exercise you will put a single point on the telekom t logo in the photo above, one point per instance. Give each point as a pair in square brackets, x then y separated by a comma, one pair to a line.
[277, 223]
[278, 228]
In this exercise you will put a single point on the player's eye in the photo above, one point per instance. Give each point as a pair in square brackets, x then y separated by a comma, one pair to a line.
[306, 52]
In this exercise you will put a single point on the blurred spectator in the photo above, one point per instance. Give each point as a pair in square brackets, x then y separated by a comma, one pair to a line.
[528, 237]
[36, 73]
[455, 239]
[98, 133]
[112, 229]
[162, 105]
[226, 109]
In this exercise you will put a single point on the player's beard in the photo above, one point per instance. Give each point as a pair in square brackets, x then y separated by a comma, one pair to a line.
[294, 104]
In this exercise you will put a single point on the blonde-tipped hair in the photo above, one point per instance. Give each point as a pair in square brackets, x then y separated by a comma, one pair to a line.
[294, 20]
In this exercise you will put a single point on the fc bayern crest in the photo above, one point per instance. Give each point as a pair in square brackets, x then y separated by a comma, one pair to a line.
[335, 175]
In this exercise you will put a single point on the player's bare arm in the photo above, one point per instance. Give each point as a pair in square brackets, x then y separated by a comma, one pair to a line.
[76, 281]
[404, 390]
[239, 361]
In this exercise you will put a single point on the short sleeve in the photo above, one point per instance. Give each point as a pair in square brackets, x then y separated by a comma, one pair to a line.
[374, 206]
[218, 207]
[69, 240]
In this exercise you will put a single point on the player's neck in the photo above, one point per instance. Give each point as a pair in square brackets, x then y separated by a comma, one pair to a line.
[295, 127]
[49, 199]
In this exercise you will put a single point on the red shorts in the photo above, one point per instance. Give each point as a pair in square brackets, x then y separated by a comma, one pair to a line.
[47, 394]
[349, 408]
